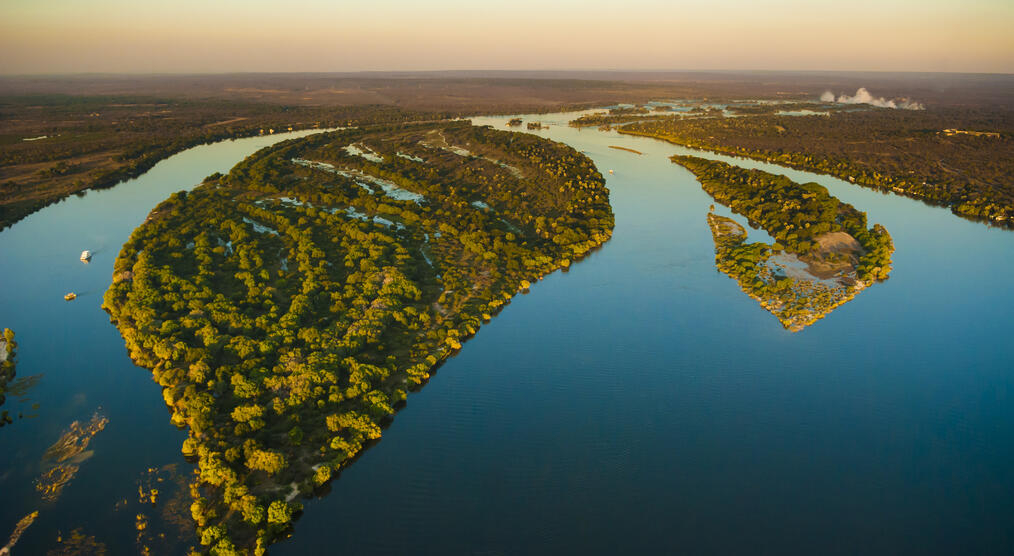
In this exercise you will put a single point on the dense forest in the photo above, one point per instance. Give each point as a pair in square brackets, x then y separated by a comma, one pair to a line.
[911, 152]
[758, 108]
[288, 307]
[809, 225]
[614, 116]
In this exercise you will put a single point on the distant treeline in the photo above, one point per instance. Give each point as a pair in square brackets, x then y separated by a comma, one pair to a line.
[97, 142]
[903, 151]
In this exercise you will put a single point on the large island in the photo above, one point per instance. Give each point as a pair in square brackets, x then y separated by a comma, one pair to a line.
[288, 307]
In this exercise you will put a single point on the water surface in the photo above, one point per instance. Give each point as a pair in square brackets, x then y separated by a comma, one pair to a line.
[81, 358]
[639, 402]
[642, 403]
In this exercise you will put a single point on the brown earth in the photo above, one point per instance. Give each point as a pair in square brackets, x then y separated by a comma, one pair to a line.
[837, 253]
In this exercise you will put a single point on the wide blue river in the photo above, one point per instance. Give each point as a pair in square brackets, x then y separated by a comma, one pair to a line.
[638, 403]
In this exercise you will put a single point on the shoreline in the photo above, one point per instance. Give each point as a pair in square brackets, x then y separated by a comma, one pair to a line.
[1002, 223]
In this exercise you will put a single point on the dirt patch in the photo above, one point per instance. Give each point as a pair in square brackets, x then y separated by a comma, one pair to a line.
[837, 253]
[839, 242]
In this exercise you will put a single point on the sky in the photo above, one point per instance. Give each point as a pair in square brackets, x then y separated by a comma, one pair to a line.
[212, 36]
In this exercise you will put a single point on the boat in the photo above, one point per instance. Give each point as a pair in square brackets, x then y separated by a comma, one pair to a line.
[70, 296]
[86, 255]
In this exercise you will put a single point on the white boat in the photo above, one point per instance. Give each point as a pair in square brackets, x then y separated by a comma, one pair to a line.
[86, 255]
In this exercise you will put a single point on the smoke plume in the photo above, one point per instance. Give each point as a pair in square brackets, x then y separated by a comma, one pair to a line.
[863, 96]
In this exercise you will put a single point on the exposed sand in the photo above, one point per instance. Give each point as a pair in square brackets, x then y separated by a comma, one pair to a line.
[724, 226]
[837, 254]
[839, 242]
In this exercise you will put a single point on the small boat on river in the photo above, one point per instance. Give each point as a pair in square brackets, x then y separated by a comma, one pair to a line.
[70, 296]
[86, 256]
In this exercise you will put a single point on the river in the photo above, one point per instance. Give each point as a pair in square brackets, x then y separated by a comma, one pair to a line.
[639, 402]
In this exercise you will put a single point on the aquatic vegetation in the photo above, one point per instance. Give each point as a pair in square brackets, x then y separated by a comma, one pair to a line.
[60, 463]
[23, 524]
[159, 511]
[77, 543]
[824, 254]
[21, 386]
[62, 460]
[282, 374]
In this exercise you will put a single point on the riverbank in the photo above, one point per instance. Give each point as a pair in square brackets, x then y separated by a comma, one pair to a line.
[881, 149]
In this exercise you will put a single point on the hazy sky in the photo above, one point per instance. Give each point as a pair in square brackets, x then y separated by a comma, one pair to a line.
[62, 36]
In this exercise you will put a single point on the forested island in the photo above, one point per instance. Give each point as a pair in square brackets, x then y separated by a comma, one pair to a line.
[824, 253]
[8, 349]
[603, 119]
[902, 151]
[288, 307]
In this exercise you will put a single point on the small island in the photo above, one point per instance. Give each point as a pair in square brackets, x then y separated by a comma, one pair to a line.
[8, 349]
[627, 149]
[824, 253]
[288, 307]
[605, 120]
[628, 110]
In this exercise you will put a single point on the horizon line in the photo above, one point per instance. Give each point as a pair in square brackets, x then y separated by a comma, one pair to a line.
[517, 70]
